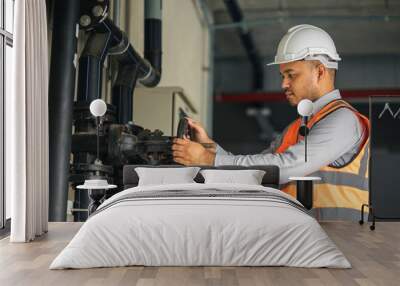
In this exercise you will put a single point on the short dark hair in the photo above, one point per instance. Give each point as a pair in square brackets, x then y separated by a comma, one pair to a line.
[331, 72]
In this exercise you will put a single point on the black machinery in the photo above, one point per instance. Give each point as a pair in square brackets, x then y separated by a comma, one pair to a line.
[121, 141]
[120, 144]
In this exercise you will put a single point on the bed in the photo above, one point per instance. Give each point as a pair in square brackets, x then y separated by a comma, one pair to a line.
[201, 224]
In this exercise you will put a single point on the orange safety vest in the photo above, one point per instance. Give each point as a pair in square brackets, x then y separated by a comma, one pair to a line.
[342, 190]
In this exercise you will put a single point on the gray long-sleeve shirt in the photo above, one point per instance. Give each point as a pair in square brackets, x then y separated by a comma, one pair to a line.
[334, 140]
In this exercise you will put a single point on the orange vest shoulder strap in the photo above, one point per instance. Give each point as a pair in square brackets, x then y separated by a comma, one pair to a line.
[290, 136]
[335, 105]
[328, 109]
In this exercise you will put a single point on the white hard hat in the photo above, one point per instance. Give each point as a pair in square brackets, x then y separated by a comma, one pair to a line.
[307, 42]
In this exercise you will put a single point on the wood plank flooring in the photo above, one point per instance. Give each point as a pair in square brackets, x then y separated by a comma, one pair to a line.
[374, 255]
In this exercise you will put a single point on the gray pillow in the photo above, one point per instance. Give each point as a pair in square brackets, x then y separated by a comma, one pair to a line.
[162, 176]
[248, 177]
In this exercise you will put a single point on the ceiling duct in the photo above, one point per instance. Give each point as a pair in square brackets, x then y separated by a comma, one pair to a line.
[246, 38]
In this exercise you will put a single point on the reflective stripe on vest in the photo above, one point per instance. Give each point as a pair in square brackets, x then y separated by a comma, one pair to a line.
[342, 190]
[335, 213]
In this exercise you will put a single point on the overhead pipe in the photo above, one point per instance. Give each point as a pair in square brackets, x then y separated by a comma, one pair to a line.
[61, 97]
[123, 88]
[152, 32]
[246, 38]
[108, 39]
[125, 54]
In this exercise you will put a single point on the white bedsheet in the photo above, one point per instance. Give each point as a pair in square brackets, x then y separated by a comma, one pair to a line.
[200, 231]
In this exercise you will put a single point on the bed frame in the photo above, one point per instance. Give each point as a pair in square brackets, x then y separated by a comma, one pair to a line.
[270, 179]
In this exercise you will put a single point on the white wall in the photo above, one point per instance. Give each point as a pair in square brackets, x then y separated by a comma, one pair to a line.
[185, 58]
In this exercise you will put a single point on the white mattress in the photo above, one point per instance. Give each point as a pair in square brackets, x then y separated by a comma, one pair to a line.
[190, 230]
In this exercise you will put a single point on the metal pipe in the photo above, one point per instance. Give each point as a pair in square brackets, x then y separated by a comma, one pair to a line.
[123, 101]
[130, 71]
[108, 39]
[209, 21]
[91, 66]
[235, 12]
[116, 12]
[210, 93]
[152, 33]
[61, 96]
[122, 93]
[127, 55]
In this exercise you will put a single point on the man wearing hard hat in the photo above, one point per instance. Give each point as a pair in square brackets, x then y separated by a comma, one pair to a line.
[338, 134]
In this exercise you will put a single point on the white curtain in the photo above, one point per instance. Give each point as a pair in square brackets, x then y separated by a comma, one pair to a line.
[27, 123]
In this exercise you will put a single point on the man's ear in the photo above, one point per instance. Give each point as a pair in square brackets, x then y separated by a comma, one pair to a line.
[321, 71]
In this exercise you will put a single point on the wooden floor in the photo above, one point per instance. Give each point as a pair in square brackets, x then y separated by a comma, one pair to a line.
[375, 257]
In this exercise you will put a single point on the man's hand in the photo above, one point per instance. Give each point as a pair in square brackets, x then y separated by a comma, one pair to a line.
[199, 133]
[187, 152]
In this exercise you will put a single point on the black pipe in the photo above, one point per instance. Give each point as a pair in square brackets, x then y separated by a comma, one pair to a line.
[122, 100]
[125, 54]
[61, 96]
[246, 38]
[122, 93]
[123, 88]
[152, 33]
[116, 11]
[91, 66]
[107, 39]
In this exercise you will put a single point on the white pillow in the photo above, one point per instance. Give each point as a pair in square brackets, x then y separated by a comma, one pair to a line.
[163, 176]
[248, 177]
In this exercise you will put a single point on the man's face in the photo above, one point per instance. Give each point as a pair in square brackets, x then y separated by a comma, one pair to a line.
[299, 81]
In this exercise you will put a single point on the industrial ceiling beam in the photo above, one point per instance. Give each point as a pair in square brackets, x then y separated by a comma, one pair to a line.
[253, 97]
[244, 25]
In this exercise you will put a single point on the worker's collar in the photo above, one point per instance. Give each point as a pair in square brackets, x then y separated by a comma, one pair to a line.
[325, 99]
